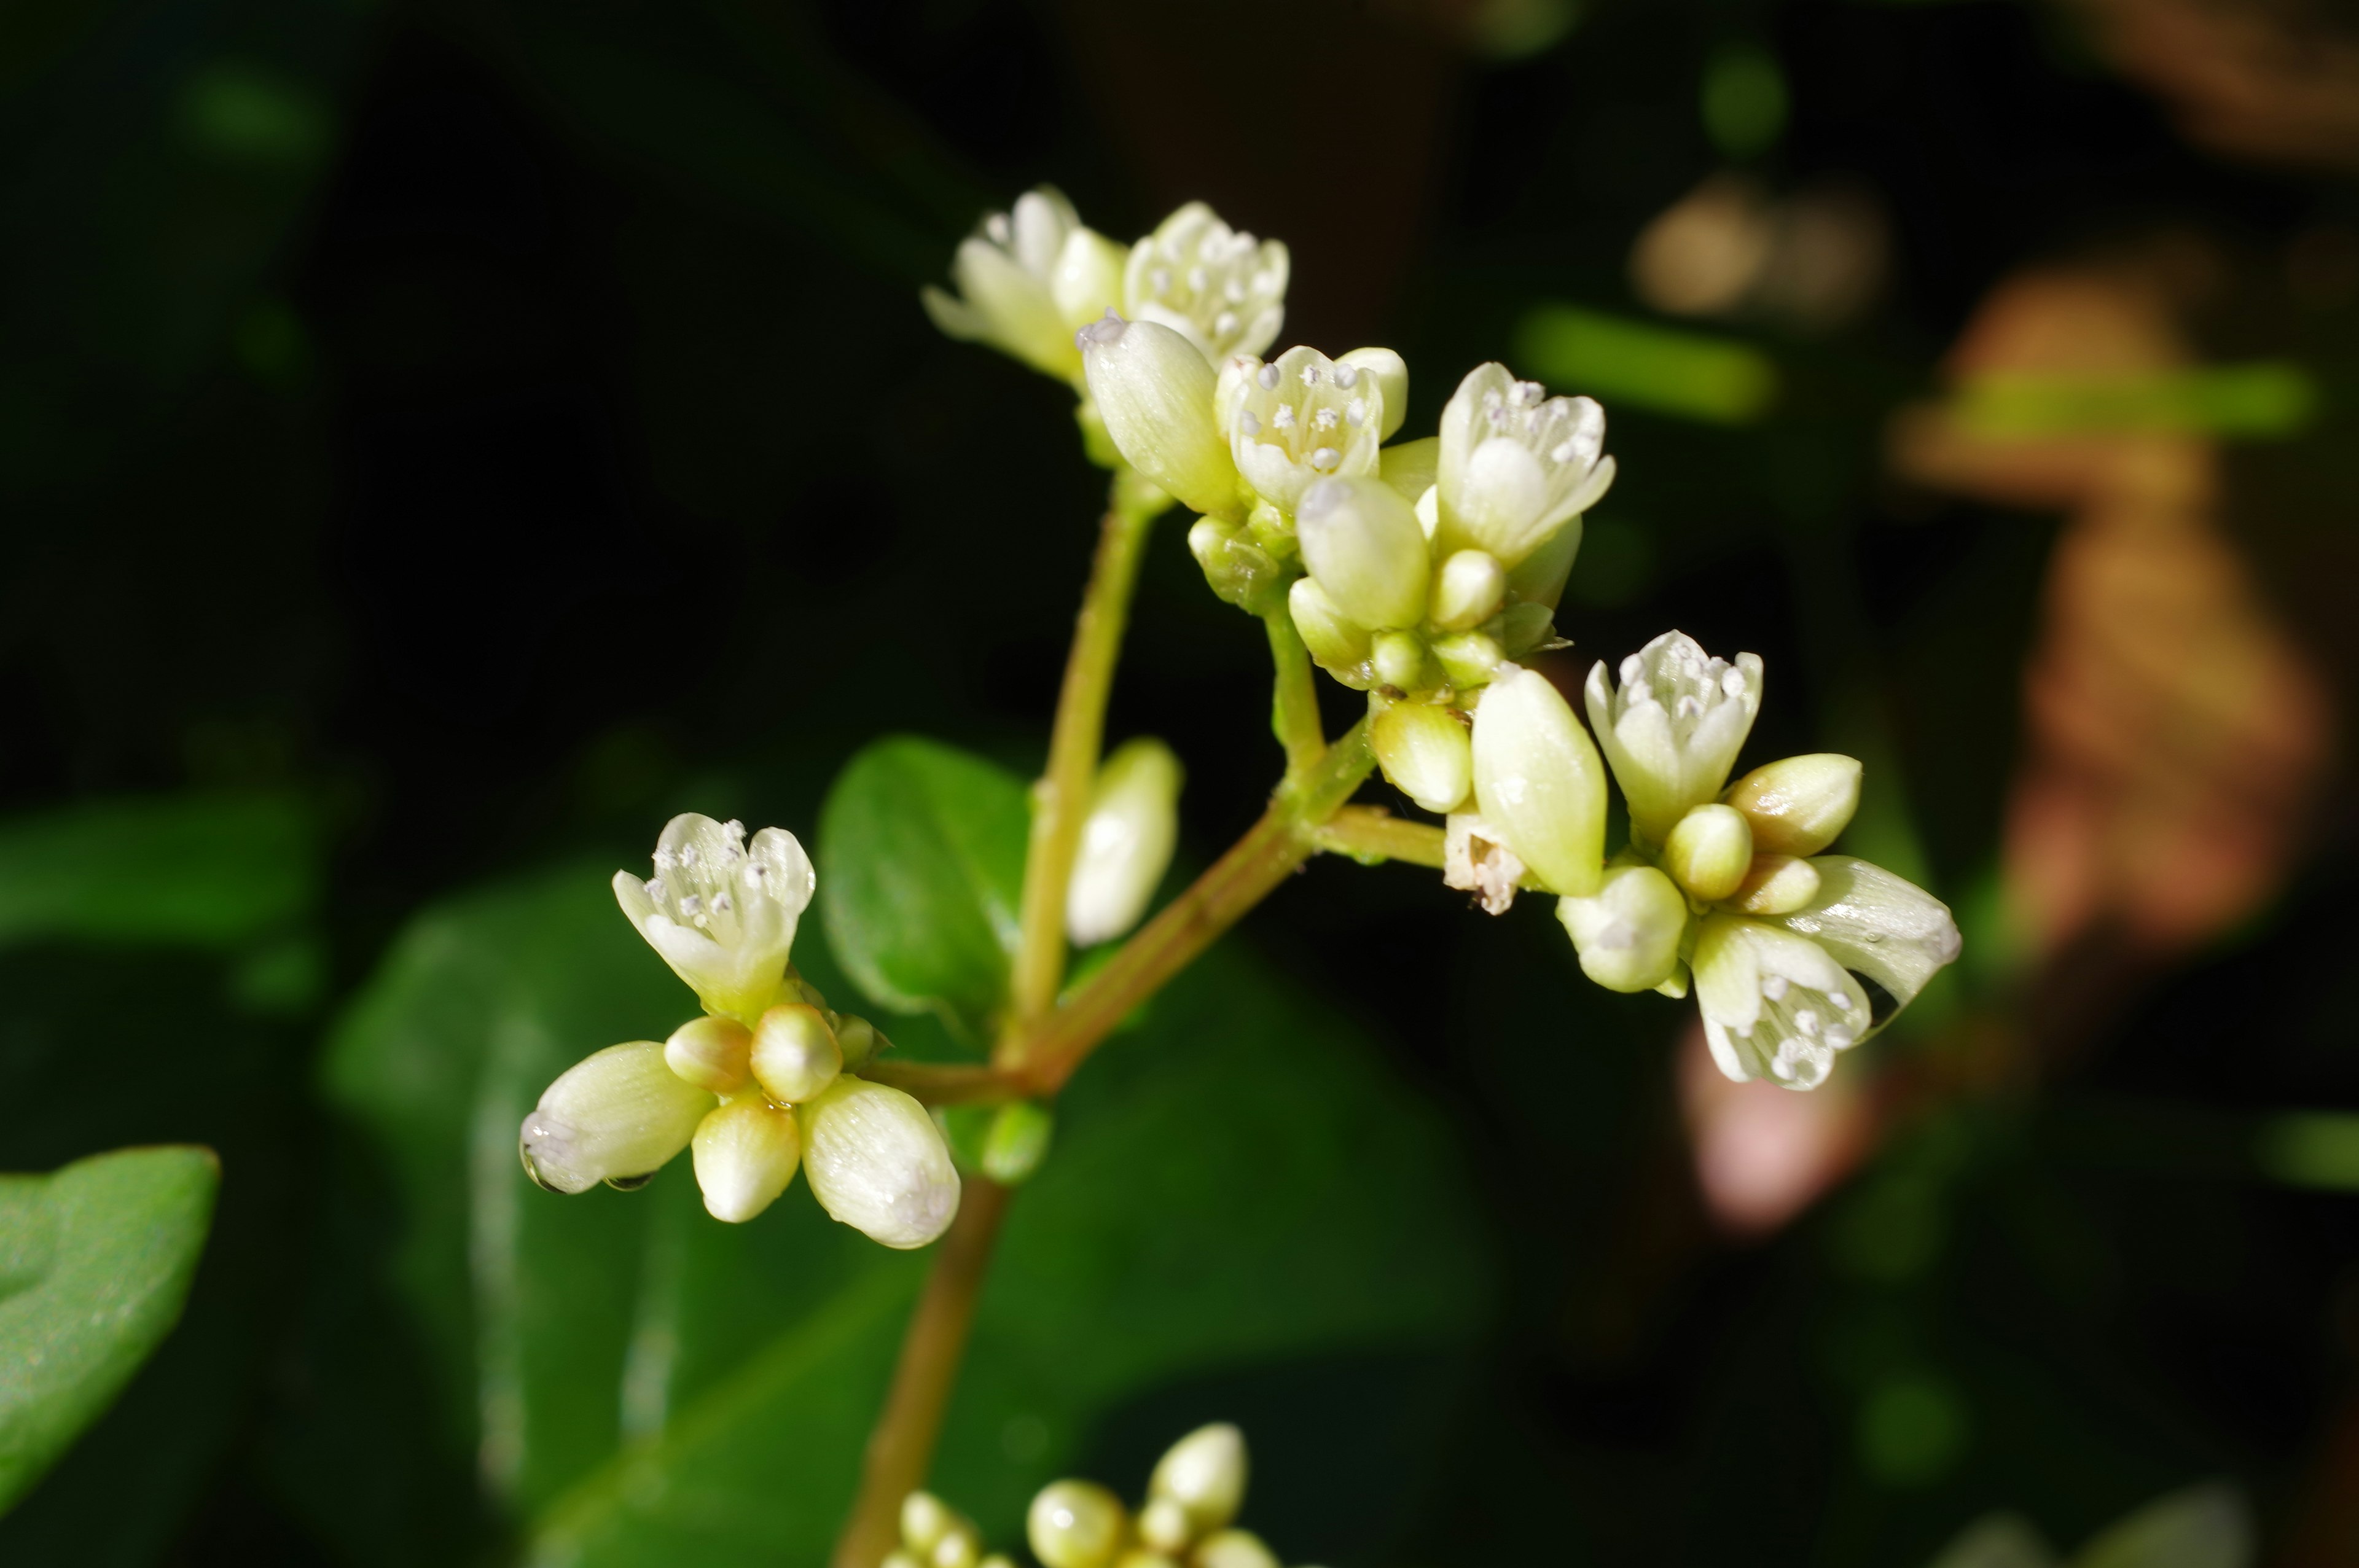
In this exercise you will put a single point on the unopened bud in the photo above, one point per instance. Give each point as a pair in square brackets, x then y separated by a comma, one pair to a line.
[856, 1038]
[1389, 373]
[1397, 659]
[1468, 658]
[1361, 541]
[1339, 644]
[1776, 885]
[1087, 282]
[711, 1053]
[795, 1055]
[1424, 750]
[1628, 935]
[997, 1560]
[1240, 571]
[1140, 1557]
[1798, 805]
[1709, 851]
[1232, 1548]
[1154, 391]
[1016, 1142]
[615, 1115]
[746, 1152]
[962, 1548]
[1075, 1524]
[1163, 1525]
[1469, 589]
[1204, 1473]
[902, 1557]
[1539, 782]
[877, 1163]
[1126, 843]
[925, 1521]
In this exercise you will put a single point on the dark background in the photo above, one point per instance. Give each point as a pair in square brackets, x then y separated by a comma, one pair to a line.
[485, 426]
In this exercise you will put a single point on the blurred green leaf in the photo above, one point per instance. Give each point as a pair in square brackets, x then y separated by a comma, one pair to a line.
[95, 1261]
[1665, 370]
[921, 855]
[1233, 1185]
[208, 871]
[2203, 1527]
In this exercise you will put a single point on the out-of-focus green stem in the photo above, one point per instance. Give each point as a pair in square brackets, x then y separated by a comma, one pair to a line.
[1370, 833]
[1060, 799]
[1294, 699]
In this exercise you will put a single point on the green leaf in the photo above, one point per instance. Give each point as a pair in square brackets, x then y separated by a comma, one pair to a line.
[206, 871]
[1235, 1186]
[921, 873]
[95, 1261]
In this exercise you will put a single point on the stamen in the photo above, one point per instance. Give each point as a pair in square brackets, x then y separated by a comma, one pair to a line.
[1355, 411]
[1268, 378]
[1225, 323]
[1806, 1021]
[1326, 459]
[1249, 422]
[1632, 670]
[1325, 419]
[1309, 375]
[996, 227]
[1284, 418]
[1774, 987]
[1347, 376]
[1840, 1037]
[1732, 683]
[1199, 279]
[1565, 453]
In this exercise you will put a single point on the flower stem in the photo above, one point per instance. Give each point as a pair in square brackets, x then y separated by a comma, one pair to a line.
[901, 1444]
[1370, 834]
[1294, 699]
[1060, 799]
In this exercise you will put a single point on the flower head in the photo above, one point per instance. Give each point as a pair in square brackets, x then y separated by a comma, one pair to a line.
[1515, 465]
[1026, 279]
[722, 912]
[1299, 418]
[1673, 727]
[1221, 289]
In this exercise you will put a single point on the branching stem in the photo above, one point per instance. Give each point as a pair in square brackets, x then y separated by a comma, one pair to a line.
[1294, 699]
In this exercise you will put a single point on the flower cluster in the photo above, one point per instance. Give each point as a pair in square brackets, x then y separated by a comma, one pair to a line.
[764, 1082]
[1421, 573]
[1186, 1520]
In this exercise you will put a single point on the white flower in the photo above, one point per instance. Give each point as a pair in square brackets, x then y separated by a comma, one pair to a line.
[1538, 780]
[721, 912]
[877, 1163]
[1798, 805]
[1027, 278]
[616, 1116]
[1515, 465]
[1674, 727]
[1156, 394]
[1628, 933]
[1299, 418]
[1776, 1005]
[1221, 290]
[1362, 545]
[1878, 925]
[745, 1155]
[1424, 750]
[1127, 842]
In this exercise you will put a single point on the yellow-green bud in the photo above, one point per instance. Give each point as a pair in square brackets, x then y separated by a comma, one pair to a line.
[1126, 843]
[1339, 644]
[1087, 282]
[1204, 1473]
[1776, 885]
[1390, 374]
[1240, 571]
[1798, 805]
[877, 1161]
[1516, 464]
[711, 1053]
[1016, 1142]
[962, 1548]
[1154, 391]
[1469, 589]
[1232, 1548]
[1628, 933]
[745, 1153]
[1361, 541]
[1468, 658]
[618, 1114]
[1708, 851]
[856, 1038]
[997, 1560]
[1163, 1525]
[1075, 1524]
[1397, 658]
[902, 1557]
[925, 1521]
[795, 1055]
[1539, 782]
[1424, 750]
[1140, 1557]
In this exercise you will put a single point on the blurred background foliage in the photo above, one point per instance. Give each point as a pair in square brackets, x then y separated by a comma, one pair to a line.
[439, 441]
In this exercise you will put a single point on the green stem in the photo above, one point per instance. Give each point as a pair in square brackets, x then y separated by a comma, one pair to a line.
[1061, 800]
[1370, 834]
[1294, 699]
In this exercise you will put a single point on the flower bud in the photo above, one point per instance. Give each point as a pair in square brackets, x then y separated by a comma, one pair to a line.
[1776, 885]
[997, 1560]
[1798, 805]
[1774, 1004]
[1238, 570]
[1126, 843]
[1525, 628]
[1424, 750]
[1516, 464]
[1016, 1142]
[1204, 1473]
[1397, 659]
[711, 1053]
[1008, 277]
[1140, 1557]
[1628, 933]
[1708, 851]
[1163, 1526]
[1155, 393]
[1075, 1524]
[746, 1152]
[1339, 644]
[1296, 419]
[1468, 658]
[1362, 543]
[619, 1113]
[1087, 280]
[1468, 592]
[721, 912]
[902, 1557]
[925, 1521]
[1537, 781]
[795, 1055]
[1389, 373]
[1234, 1549]
[877, 1163]
[857, 1039]
[1220, 290]
[1673, 727]
[961, 1547]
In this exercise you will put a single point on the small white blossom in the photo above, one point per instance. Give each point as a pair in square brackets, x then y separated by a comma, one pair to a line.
[1798, 805]
[1628, 933]
[1538, 780]
[1673, 727]
[1221, 289]
[1127, 842]
[746, 1152]
[877, 1161]
[1156, 396]
[1362, 545]
[1878, 925]
[616, 1116]
[1515, 465]
[1026, 279]
[1298, 419]
[1425, 752]
[721, 912]
[1776, 1004]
